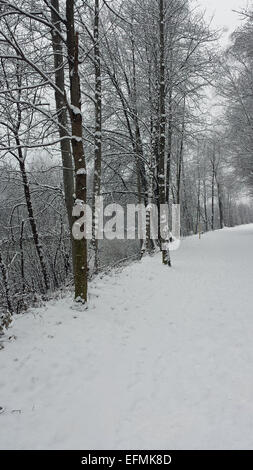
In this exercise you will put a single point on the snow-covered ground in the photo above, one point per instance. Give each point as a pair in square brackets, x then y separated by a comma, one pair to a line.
[163, 358]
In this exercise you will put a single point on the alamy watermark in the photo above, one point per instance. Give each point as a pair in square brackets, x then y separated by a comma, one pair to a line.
[134, 221]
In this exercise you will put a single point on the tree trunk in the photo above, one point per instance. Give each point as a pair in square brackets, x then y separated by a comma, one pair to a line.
[170, 130]
[61, 109]
[213, 181]
[98, 134]
[32, 220]
[180, 159]
[205, 205]
[6, 286]
[140, 166]
[220, 202]
[162, 119]
[22, 261]
[80, 246]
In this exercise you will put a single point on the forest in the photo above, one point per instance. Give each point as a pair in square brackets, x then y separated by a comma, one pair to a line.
[134, 101]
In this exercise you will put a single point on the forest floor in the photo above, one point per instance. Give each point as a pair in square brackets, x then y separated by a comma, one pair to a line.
[162, 358]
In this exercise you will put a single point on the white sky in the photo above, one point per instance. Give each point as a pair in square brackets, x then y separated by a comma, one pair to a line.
[224, 17]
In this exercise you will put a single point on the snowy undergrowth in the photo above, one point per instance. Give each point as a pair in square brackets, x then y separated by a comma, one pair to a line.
[161, 359]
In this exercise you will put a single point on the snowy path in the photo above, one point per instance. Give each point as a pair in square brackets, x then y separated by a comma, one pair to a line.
[162, 359]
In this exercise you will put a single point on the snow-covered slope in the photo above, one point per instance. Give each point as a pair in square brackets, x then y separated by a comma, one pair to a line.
[163, 358]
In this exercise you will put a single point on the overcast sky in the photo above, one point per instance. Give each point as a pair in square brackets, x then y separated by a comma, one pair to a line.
[224, 17]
